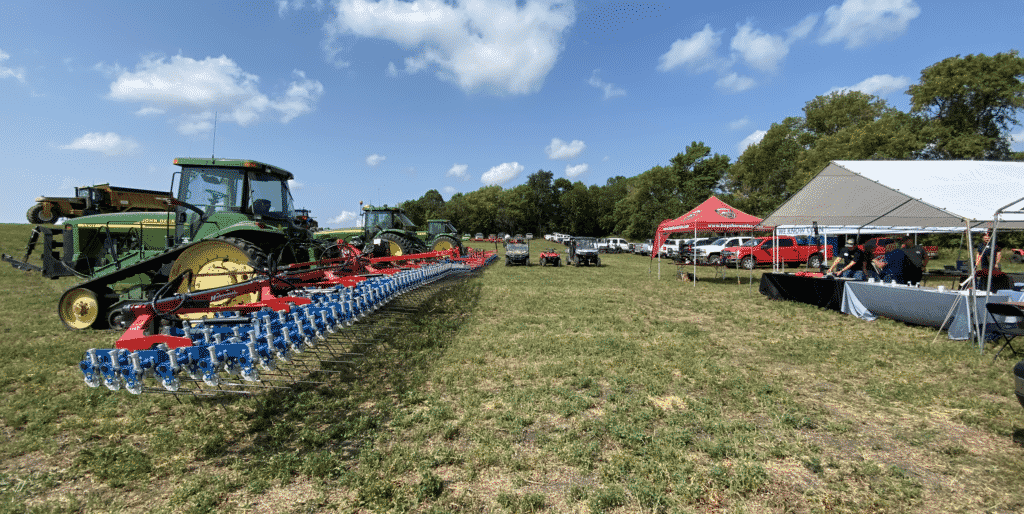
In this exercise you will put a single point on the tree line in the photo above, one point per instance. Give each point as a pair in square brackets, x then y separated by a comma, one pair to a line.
[962, 108]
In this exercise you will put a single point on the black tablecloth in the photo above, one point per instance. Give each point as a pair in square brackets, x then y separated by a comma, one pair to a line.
[823, 292]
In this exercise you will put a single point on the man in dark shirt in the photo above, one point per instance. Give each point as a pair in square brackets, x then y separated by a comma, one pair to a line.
[852, 259]
[984, 250]
[917, 260]
[892, 264]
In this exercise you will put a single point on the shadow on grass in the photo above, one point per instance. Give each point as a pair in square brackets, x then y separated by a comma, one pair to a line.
[315, 429]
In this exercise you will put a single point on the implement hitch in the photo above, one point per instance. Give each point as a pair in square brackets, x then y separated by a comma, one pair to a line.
[52, 267]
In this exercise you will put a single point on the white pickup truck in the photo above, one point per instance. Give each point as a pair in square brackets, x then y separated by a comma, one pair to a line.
[613, 245]
[712, 252]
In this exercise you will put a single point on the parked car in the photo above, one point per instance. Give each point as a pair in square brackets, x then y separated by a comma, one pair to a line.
[791, 251]
[669, 248]
[643, 248]
[478, 237]
[710, 253]
[529, 236]
[612, 245]
[686, 247]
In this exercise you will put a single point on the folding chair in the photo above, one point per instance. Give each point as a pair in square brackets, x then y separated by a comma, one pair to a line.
[1006, 330]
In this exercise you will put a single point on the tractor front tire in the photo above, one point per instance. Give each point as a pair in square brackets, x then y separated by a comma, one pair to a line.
[80, 308]
[38, 214]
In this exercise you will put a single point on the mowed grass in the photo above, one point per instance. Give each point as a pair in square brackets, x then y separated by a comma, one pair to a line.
[534, 389]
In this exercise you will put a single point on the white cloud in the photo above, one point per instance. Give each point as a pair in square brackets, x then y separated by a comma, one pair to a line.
[735, 83]
[609, 89]
[295, 185]
[577, 170]
[449, 190]
[18, 73]
[740, 123]
[502, 173]
[300, 97]
[214, 84]
[374, 159]
[345, 218]
[492, 45]
[109, 144]
[765, 51]
[878, 85]
[283, 6]
[392, 70]
[859, 22]
[754, 138]
[150, 111]
[459, 171]
[697, 52]
[559, 149]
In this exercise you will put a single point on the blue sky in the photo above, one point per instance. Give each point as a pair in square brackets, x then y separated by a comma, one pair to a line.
[380, 101]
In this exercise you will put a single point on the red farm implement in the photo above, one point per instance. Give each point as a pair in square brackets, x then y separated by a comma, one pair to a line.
[297, 324]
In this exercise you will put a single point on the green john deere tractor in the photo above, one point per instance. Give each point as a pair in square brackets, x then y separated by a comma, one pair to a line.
[231, 220]
[441, 235]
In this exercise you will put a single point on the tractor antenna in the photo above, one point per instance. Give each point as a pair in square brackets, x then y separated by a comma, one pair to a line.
[213, 152]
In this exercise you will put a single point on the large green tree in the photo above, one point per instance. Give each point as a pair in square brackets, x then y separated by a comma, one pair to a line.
[970, 104]
[698, 173]
[649, 200]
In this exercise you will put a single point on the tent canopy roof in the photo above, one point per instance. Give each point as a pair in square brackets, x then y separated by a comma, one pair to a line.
[713, 214]
[906, 194]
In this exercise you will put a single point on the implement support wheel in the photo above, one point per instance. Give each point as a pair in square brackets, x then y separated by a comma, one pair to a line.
[80, 308]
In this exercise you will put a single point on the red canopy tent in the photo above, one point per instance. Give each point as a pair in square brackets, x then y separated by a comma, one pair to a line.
[713, 215]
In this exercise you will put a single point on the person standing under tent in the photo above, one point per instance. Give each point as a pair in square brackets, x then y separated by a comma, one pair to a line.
[892, 264]
[917, 260]
[984, 250]
[851, 257]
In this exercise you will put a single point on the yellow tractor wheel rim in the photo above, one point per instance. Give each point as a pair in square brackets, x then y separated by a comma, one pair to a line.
[441, 246]
[394, 249]
[214, 264]
[79, 308]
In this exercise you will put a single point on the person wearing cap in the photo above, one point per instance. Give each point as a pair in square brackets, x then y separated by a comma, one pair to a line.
[852, 259]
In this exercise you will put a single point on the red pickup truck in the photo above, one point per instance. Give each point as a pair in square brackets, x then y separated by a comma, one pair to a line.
[791, 250]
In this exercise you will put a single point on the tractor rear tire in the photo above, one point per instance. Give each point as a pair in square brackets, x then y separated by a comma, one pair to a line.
[219, 262]
[396, 245]
[38, 215]
[443, 242]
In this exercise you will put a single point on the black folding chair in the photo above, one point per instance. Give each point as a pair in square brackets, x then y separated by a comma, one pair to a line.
[1006, 330]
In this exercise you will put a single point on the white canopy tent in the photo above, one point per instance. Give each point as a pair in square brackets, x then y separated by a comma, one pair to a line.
[908, 196]
[904, 196]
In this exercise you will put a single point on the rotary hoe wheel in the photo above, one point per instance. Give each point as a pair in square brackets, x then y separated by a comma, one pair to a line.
[219, 262]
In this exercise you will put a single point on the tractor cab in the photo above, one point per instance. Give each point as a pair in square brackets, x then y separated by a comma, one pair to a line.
[216, 193]
[438, 227]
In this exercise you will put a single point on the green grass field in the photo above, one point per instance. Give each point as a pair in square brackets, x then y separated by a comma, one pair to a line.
[530, 389]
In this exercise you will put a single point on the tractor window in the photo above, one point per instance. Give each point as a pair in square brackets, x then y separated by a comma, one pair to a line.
[268, 187]
[212, 189]
[379, 219]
